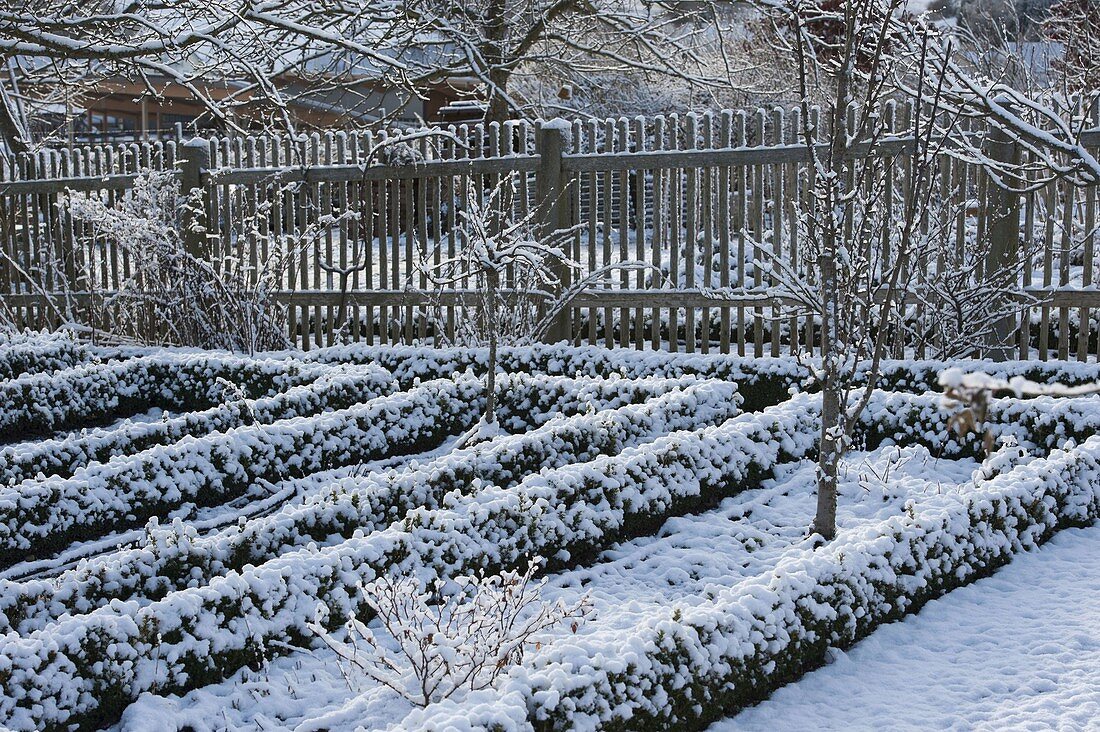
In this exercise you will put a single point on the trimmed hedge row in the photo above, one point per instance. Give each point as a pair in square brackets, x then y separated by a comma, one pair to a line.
[764, 382]
[84, 670]
[176, 557]
[918, 376]
[338, 389]
[38, 518]
[20, 357]
[526, 400]
[1042, 422]
[90, 666]
[687, 668]
[90, 394]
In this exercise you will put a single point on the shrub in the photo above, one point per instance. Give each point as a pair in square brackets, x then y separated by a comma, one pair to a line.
[175, 557]
[443, 639]
[688, 668]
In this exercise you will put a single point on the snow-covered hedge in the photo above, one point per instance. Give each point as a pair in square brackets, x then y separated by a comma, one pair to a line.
[339, 389]
[39, 517]
[1042, 422]
[39, 354]
[685, 668]
[39, 404]
[92, 665]
[920, 376]
[85, 669]
[176, 557]
[763, 381]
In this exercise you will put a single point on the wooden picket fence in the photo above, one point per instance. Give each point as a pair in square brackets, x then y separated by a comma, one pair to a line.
[356, 214]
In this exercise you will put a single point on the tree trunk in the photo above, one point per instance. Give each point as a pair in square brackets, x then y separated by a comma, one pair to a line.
[492, 320]
[497, 58]
[498, 109]
[831, 443]
[829, 454]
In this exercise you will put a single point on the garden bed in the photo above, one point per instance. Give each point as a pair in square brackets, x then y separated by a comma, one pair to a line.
[676, 489]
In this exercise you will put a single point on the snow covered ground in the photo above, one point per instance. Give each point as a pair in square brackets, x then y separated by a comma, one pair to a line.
[682, 584]
[689, 559]
[1019, 650]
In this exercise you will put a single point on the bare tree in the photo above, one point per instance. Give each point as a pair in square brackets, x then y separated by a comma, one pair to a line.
[492, 245]
[241, 48]
[498, 42]
[1046, 122]
[731, 60]
[1075, 24]
[873, 256]
[507, 269]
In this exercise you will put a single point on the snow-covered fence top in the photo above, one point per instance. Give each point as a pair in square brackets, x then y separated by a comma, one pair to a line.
[701, 198]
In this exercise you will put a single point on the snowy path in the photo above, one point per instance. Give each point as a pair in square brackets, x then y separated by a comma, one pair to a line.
[262, 498]
[1019, 650]
[695, 556]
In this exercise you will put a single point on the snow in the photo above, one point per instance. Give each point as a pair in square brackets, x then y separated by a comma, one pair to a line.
[693, 557]
[673, 492]
[1018, 650]
[690, 559]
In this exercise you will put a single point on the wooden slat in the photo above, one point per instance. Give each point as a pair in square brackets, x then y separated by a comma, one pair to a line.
[691, 225]
[605, 203]
[481, 166]
[639, 193]
[759, 154]
[725, 217]
[740, 132]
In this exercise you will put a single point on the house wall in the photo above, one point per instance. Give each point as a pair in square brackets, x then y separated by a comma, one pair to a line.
[117, 107]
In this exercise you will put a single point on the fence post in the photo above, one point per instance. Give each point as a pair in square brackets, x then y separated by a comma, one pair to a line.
[1003, 209]
[554, 212]
[193, 217]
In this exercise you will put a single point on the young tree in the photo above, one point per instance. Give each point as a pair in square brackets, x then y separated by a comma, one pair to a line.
[507, 269]
[848, 286]
[871, 252]
[491, 246]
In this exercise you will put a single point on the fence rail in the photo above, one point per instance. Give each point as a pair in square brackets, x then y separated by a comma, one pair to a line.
[698, 198]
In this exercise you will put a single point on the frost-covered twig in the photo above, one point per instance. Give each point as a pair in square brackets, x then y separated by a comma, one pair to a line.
[173, 297]
[449, 636]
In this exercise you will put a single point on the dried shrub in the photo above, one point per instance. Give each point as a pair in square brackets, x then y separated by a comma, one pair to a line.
[171, 296]
[449, 636]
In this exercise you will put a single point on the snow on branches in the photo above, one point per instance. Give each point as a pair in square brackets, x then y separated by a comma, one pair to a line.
[451, 636]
